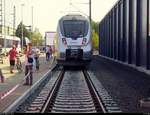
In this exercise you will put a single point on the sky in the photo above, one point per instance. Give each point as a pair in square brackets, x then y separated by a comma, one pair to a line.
[46, 13]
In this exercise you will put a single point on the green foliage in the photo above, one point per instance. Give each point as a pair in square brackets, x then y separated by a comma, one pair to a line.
[95, 26]
[36, 38]
[26, 33]
[95, 38]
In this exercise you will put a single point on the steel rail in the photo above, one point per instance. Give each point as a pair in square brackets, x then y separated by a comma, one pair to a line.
[98, 102]
[53, 92]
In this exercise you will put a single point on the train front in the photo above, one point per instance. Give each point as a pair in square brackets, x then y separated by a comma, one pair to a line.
[74, 41]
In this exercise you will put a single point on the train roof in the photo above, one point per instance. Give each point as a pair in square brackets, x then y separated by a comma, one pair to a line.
[73, 17]
[10, 37]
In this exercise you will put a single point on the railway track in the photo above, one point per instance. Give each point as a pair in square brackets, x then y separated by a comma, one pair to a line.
[69, 92]
[72, 95]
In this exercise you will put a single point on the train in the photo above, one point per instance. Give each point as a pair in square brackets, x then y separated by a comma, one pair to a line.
[6, 43]
[73, 41]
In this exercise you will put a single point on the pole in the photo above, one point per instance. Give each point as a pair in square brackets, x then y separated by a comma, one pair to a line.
[30, 30]
[22, 26]
[32, 20]
[14, 22]
[1, 22]
[4, 27]
[90, 13]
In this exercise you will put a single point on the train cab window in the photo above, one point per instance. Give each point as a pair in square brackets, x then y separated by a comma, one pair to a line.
[74, 28]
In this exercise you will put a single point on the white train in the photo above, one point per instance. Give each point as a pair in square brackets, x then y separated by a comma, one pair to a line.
[6, 43]
[73, 42]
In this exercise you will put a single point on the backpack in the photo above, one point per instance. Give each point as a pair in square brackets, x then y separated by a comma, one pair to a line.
[30, 59]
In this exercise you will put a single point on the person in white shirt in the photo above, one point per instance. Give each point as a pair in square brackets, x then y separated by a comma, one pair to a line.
[28, 65]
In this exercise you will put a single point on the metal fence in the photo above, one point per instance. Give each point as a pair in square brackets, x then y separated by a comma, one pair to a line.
[124, 33]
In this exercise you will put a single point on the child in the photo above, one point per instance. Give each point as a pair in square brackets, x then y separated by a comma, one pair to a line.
[18, 64]
[1, 76]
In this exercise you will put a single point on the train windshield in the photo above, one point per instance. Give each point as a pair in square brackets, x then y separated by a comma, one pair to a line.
[75, 28]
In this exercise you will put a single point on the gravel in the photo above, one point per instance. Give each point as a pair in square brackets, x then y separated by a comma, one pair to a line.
[126, 86]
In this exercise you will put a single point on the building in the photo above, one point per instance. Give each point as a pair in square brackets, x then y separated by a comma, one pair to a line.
[49, 38]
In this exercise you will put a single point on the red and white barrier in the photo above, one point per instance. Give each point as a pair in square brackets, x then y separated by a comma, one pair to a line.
[6, 93]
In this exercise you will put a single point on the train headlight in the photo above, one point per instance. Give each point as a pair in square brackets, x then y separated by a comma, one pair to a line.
[84, 41]
[64, 41]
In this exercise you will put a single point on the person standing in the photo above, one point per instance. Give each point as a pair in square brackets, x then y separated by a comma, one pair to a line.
[36, 57]
[18, 64]
[29, 65]
[1, 76]
[50, 50]
[12, 57]
[47, 52]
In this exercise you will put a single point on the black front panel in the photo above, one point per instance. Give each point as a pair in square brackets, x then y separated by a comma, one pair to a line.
[74, 54]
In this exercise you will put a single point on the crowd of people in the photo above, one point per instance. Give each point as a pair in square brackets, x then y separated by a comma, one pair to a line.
[31, 59]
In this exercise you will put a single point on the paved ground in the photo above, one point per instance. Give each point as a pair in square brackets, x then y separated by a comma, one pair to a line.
[12, 79]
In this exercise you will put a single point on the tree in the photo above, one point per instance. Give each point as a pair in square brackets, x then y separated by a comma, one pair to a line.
[37, 38]
[95, 38]
[26, 33]
[95, 26]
